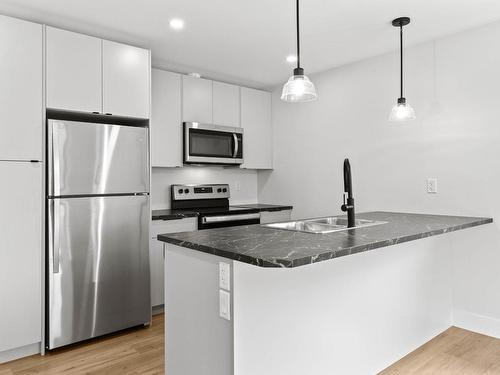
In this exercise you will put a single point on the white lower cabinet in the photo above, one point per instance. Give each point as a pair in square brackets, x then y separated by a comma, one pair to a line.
[156, 253]
[21, 221]
[275, 216]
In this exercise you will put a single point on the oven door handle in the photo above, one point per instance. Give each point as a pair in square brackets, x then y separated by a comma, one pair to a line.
[235, 138]
[227, 218]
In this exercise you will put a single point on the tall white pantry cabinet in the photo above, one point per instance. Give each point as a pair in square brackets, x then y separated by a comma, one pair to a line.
[81, 74]
[21, 191]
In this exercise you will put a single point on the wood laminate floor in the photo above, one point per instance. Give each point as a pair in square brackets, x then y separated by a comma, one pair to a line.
[453, 352]
[137, 351]
[140, 351]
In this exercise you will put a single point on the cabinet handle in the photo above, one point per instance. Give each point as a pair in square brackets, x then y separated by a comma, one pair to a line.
[95, 112]
[108, 114]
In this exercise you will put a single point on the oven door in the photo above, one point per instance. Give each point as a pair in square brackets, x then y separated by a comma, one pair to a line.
[222, 221]
[212, 144]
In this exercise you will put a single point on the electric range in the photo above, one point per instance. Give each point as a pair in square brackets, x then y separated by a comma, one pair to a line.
[211, 202]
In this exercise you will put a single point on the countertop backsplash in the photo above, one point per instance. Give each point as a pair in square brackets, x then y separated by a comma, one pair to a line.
[162, 178]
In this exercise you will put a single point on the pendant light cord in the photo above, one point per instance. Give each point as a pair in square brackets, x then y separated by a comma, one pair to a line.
[298, 41]
[401, 57]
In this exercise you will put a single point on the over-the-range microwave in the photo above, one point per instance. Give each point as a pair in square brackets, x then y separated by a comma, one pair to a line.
[212, 144]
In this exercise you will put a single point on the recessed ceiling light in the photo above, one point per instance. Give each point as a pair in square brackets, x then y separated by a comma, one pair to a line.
[291, 59]
[176, 24]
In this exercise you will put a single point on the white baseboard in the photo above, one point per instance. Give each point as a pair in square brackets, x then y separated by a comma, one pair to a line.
[477, 323]
[23, 351]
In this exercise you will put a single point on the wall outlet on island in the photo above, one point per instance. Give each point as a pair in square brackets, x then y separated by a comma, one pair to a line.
[224, 275]
[224, 305]
[237, 185]
[432, 187]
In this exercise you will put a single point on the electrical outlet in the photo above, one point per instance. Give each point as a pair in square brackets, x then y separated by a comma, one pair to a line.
[432, 185]
[237, 186]
[224, 276]
[224, 304]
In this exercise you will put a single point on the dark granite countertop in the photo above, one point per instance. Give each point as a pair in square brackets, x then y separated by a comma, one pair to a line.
[266, 247]
[169, 214]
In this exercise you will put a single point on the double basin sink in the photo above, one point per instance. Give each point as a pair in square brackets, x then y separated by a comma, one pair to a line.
[322, 225]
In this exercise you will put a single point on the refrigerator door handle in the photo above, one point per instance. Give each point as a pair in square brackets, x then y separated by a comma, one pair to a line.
[56, 186]
[54, 234]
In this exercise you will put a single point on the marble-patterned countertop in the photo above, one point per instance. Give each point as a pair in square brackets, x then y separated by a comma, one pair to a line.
[266, 247]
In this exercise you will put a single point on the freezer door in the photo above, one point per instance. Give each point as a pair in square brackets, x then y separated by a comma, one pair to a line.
[87, 158]
[98, 266]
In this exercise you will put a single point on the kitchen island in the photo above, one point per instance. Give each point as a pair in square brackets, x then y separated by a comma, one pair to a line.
[346, 302]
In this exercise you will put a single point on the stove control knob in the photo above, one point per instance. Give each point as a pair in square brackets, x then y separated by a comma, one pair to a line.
[180, 191]
[186, 191]
[219, 190]
[224, 190]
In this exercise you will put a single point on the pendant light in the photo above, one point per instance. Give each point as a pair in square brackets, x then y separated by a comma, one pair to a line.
[298, 88]
[402, 111]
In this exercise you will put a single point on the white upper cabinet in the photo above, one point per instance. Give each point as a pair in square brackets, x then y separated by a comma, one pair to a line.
[196, 100]
[166, 123]
[89, 74]
[126, 80]
[257, 127]
[74, 73]
[226, 104]
[21, 89]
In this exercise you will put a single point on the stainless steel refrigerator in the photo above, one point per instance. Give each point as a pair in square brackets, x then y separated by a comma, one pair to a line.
[98, 216]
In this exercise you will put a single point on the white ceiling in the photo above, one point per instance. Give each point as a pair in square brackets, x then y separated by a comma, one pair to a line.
[246, 42]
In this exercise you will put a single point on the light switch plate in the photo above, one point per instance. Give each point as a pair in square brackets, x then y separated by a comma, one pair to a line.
[224, 304]
[224, 276]
[432, 187]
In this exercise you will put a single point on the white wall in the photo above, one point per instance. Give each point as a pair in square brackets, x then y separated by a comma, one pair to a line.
[162, 178]
[454, 86]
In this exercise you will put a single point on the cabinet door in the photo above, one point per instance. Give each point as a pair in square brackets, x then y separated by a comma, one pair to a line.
[157, 272]
[156, 253]
[196, 100]
[74, 79]
[258, 134]
[226, 104]
[20, 254]
[21, 92]
[126, 80]
[166, 123]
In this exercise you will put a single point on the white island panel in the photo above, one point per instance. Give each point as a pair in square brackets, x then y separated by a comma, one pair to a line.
[352, 315]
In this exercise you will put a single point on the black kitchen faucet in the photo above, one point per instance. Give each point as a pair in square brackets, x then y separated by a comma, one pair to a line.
[348, 205]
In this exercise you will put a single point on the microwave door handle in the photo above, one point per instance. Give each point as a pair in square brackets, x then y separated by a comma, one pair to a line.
[235, 139]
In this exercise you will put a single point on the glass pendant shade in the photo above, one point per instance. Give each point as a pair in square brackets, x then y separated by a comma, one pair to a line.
[298, 88]
[402, 111]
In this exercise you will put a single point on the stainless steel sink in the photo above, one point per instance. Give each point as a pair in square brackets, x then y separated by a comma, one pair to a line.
[322, 225]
